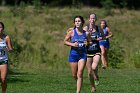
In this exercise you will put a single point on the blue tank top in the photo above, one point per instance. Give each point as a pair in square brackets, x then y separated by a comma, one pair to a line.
[105, 32]
[80, 39]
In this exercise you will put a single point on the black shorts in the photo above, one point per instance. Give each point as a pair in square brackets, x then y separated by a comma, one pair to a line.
[92, 55]
[3, 62]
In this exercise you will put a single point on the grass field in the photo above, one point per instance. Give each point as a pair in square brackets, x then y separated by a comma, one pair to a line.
[41, 57]
[37, 30]
[60, 81]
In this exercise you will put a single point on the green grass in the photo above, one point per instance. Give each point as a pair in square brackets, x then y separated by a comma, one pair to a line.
[43, 56]
[61, 81]
[44, 30]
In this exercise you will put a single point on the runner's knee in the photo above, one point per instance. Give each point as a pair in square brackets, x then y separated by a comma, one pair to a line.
[79, 74]
[3, 80]
[74, 76]
[103, 53]
[90, 73]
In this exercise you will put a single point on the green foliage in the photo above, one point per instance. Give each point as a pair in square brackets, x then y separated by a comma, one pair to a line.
[17, 49]
[116, 54]
[123, 4]
[136, 59]
[77, 3]
[2, 2]
[55, 2]
[37, 5]
[19, 11]
[14, 55]
[44, 52]
[38, 39]
[132, 4]
[108, 6]
[27, 35]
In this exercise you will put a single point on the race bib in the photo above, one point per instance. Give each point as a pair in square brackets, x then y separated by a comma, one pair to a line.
[2, 52]
[93, 47]
[80, 44]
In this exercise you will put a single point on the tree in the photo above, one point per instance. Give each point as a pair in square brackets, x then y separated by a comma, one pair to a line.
[3, 2]
[73, 2]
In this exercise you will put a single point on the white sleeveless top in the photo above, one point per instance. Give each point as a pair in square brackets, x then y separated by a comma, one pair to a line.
[3, 50]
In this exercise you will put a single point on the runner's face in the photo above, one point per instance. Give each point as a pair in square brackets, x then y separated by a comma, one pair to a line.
[78, 22]
[92, 19]
[102, 24]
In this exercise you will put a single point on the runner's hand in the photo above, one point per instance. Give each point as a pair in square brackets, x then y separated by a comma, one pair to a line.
[75, 44]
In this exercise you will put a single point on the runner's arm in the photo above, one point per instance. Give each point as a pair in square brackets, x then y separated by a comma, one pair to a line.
[109, 33]
[67, 39]
[8, 42]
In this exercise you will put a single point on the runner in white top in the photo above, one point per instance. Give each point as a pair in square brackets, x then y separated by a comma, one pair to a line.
[5, 46]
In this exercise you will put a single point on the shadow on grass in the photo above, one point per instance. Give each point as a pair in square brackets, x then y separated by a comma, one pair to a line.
[17, 76]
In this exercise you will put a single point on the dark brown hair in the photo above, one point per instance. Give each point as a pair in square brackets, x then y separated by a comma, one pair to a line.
[2, 25]
[81, 18]
[104, 22]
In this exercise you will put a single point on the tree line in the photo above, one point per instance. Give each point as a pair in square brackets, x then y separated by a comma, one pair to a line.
[131, 4]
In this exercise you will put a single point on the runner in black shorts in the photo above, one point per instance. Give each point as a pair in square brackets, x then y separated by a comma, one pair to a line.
[93, 52]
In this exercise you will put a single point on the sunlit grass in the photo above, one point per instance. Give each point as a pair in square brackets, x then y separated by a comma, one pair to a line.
[47, 27]
[61, 81]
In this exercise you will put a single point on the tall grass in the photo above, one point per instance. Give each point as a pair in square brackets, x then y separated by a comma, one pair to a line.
[39, 34]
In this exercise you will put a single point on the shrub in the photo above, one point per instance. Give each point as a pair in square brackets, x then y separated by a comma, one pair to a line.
[115, 54]
[136, 59]
[107, 5]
